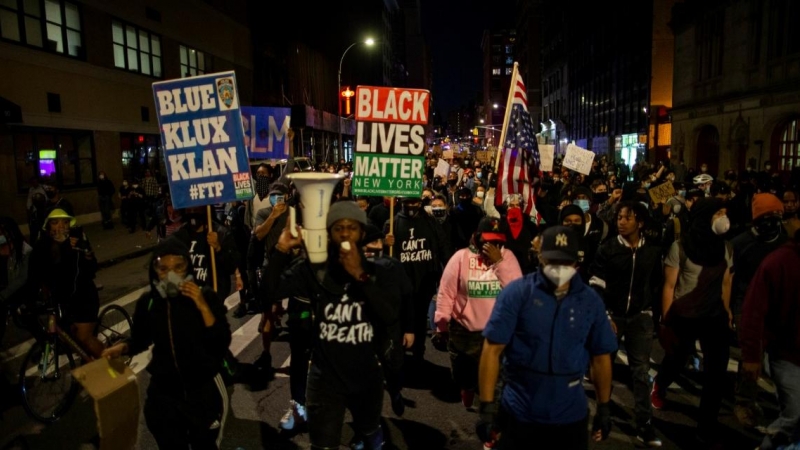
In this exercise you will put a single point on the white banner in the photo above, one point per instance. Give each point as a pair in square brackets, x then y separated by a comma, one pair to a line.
[578, 159]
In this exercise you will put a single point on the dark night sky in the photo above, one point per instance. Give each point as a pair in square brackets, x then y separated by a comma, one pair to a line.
[453, 31]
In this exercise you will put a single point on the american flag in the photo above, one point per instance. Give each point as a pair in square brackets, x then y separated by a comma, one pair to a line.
[519, 159]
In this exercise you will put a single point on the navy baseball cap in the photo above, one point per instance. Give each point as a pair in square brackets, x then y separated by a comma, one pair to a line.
[560, 243]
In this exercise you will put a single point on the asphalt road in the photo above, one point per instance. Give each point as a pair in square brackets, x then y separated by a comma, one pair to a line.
[434, 418]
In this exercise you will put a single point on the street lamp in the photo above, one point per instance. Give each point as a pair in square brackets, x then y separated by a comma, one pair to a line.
[368, 42]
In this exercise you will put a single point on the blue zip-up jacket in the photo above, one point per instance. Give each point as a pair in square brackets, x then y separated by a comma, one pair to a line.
[548, 346]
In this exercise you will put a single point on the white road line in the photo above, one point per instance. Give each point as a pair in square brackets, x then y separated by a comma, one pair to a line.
[22, 348]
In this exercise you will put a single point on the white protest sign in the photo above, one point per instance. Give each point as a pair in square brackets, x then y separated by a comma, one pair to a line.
[578, 159]
[442, 169]
[546, 154]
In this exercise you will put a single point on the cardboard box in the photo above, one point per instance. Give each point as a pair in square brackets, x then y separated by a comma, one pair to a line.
[113, 386]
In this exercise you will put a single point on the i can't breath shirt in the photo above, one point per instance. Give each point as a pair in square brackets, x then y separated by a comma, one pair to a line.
[345, 339]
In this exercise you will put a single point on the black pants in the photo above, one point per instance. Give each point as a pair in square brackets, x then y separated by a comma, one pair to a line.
[681, 335]
[179, 422]
[300, 339]
[326, 407]
[421, 301]
[638, 333]
[465, 349]
[517, 435]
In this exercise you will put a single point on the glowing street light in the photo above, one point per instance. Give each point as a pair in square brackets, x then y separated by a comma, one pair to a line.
[368, 42]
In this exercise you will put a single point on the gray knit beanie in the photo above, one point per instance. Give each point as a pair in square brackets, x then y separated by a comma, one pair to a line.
[346, 209]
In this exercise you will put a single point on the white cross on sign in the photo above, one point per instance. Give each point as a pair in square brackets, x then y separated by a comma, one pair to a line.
[561, 240]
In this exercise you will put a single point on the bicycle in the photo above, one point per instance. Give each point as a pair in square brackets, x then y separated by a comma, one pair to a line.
[47, 386]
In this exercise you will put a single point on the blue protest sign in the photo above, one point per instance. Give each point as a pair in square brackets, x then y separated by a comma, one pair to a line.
[203, 139]
[266, 131]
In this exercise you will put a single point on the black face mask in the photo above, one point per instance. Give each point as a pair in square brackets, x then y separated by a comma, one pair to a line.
[599, 197]
[50, 194]
[412, 211]
[262, 185]
[789, 215]
[464, 201]
[195, 220]
[579, 229]
[768, 228]
[452, 182]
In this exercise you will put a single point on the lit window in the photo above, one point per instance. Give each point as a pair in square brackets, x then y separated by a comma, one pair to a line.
[496, 71]
[63, 157]
[135, 49]
[193, 62]
[56, 27]
[509, 70]
[789, 146]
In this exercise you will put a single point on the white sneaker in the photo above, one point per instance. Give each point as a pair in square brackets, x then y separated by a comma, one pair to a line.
[295, 416]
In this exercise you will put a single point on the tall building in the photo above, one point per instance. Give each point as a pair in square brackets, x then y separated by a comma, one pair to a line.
[529, 51]
[498, 64]
[737, 84]
[77, 96]
[79, 73]
[598, 75]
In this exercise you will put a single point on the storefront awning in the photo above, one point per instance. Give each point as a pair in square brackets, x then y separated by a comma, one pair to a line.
[10, 112]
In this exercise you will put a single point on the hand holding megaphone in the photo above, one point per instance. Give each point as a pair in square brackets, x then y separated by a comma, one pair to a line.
[288, 239]
[350, 259]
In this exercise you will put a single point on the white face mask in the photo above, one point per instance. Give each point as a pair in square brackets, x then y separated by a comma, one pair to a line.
[480, 194]
[721, 225]
[558, 274]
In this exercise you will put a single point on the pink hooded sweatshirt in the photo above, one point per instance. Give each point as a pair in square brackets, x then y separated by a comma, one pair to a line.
[469, 288]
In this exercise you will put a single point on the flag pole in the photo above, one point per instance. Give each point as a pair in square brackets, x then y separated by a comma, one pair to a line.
[507, 116]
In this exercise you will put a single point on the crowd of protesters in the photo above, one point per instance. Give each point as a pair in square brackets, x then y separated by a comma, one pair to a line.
[530, 307]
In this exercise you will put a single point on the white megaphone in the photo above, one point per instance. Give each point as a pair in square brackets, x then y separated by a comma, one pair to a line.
[316, 190]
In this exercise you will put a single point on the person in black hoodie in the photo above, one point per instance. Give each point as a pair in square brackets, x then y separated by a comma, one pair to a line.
[696, 306]
[353, 300]
[186, 400]
[422, 247]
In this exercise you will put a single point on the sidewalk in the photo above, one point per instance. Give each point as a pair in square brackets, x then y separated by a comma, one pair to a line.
[118, 244]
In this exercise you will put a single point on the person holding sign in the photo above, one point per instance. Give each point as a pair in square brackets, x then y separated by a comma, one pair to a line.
[352, 298]
[422, 246]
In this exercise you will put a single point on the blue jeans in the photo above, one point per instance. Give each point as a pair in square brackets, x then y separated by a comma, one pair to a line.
[785, 429]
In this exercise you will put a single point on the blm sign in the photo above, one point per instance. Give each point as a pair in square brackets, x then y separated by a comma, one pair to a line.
[203, 139]
[390, 141]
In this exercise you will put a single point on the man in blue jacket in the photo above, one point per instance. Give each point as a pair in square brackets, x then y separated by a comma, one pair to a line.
[549, 326]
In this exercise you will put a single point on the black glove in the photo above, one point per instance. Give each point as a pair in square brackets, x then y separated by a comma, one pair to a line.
[439, 341]
[485, 428]
[602, 419]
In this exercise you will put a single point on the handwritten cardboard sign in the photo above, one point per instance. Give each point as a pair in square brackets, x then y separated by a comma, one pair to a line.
[661, 193]
[546, 154]
[578, 159]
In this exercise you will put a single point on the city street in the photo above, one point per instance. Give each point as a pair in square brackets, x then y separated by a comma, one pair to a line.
[434, 416]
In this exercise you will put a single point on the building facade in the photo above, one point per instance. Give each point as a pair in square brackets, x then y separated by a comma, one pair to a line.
[737, 84]
[598, 75]
[498, 48]
[81, 74]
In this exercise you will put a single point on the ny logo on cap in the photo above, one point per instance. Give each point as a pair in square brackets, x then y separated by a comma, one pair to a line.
[561, 240]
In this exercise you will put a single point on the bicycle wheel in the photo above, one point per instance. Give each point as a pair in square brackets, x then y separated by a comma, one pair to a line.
[114, 325]
[46, 381]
